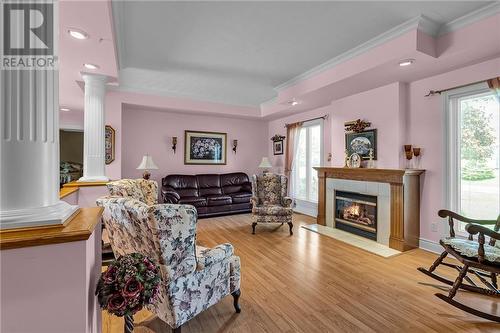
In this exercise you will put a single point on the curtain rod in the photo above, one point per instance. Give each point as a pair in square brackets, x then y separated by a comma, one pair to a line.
[304, 121]
[434, 92]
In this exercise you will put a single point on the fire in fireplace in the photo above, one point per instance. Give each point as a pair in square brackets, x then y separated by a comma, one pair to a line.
[356, 213]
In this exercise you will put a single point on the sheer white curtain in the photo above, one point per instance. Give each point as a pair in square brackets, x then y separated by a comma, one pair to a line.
[292, 143]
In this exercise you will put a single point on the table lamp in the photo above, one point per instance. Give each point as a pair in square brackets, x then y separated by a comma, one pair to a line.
[147, 163]
[265, 164]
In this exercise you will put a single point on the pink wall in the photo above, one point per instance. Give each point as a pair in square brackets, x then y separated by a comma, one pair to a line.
[151, 131]
[426, 130]
[381, 107]
[71, 119]
[401, 114]
[50, 288]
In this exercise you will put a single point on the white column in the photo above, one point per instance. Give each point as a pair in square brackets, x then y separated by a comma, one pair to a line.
[93, 133]
[29, 131]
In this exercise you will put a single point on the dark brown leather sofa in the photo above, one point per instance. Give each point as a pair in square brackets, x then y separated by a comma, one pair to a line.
[211, 194]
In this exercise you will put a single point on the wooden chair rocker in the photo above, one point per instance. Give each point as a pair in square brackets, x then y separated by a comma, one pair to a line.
[479, 259]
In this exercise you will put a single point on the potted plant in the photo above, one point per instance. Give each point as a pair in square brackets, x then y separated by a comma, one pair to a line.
[128, 284]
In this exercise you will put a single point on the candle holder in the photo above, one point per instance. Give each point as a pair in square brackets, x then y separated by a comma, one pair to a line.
[174, 143]
[409, 155]
[417, 154]
[235, 145]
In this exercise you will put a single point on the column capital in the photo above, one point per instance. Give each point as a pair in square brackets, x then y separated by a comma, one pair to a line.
[90, 78]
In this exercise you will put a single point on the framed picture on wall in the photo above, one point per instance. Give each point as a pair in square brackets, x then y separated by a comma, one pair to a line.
[278, 147]
[361, 143]
[205, 148]
[109, 144]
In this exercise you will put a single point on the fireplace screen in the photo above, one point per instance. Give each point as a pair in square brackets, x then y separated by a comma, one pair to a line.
[356, 213]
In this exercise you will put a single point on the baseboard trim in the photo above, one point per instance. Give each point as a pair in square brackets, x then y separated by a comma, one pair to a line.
[430, 246]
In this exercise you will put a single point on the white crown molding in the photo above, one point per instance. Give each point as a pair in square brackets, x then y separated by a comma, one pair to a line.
[117, 17]
[164, 93]
[421, 23]
[71, 127]
[269, 102]
[472, 17]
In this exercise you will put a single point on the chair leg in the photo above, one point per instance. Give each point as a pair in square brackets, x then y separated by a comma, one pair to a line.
[236, 300]
[494, 280]
[290, 225]
[438, 261]
[458, 281]
[253, 228]
[176, 330]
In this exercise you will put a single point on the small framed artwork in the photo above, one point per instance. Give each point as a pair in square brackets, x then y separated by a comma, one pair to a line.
[361, 143]
[278, 147]
[109, 144]
[205, 148]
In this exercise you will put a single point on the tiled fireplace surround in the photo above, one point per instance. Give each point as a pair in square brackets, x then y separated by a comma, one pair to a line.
[398, 200]
[381, 190]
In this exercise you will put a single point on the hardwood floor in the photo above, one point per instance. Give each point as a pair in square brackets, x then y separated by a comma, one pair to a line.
[312, 283]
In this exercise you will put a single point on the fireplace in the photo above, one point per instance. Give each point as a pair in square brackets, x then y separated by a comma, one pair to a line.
[356, 213]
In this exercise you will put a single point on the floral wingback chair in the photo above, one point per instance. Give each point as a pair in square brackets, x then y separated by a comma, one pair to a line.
[194, 278]
[140, 189]
[270, 203]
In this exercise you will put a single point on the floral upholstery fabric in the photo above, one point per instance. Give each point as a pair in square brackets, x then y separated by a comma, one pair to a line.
[273, 210]
[140, 189]
[270, 203]
[469, 248]
[167, 234]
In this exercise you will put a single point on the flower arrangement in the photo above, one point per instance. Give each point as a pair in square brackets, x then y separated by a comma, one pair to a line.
[203, 147]
[129, 283]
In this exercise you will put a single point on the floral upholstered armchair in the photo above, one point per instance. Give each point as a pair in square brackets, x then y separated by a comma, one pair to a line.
[140, 189]
[194, 277]
[270, 203]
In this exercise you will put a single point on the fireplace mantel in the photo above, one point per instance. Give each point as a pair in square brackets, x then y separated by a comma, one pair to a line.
[392, 176]
[404, 196]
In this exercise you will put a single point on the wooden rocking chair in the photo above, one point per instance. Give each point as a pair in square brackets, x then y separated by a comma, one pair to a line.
[477, 258]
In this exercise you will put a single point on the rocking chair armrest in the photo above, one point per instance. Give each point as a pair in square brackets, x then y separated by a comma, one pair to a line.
[448, 213]
[454, 216]
[473, 229]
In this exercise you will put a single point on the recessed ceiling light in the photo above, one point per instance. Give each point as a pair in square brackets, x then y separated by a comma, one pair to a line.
[65, 109]
[77, 33]
[406, 62]
[91, 66]
[293, 102]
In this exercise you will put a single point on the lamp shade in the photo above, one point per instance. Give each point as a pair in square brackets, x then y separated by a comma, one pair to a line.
[147, 163]
[265, 163]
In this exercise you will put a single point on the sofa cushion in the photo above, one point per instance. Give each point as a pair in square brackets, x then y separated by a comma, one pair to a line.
[272, 210]
[185, 185]
[241, 197]
[218, 200]
[208, 184]
[195, 201]
[235, 182]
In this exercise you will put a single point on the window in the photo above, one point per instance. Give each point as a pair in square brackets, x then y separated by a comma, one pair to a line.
[309, 155]
[473, 142]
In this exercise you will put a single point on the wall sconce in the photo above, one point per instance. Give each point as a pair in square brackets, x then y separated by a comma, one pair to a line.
[235, 144]
[174, 143]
